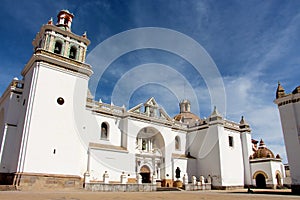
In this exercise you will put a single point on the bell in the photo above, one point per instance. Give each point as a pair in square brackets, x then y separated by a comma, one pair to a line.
[56, 48]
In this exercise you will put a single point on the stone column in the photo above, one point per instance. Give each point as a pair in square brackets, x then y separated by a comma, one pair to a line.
[139, 178]
[123, 178]
[185, 179]
[86, 177]
[105, 178]
[194, 180]
[209, 179]
[153, 180]
[202, 180]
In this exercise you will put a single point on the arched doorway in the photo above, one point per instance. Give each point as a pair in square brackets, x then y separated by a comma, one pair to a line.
[145, 173]
[260, 181]
[278, 178]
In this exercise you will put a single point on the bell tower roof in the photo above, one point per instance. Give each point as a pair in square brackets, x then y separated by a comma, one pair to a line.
[64, 20]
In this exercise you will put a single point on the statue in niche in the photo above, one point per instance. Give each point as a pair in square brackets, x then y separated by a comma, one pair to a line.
[177, 172]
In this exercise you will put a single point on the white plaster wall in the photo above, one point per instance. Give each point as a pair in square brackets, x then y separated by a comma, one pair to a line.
[247, 151]
[10, 151]
[204, 146]
[92, 129]
[113, 162]
[232, 166]
[277, 166]
[290, 120]
[191, 168]
[53, 127]
[12, 110]
[182, 164]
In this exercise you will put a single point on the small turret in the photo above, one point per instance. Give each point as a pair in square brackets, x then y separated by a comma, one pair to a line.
[280, 91]
[243, 123]
[185, 106]
[64, 19]
[215, 115]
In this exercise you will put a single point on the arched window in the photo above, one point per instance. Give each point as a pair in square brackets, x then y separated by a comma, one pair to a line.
[58, 47]
[177, 143]
[104, 131]
[73, 52]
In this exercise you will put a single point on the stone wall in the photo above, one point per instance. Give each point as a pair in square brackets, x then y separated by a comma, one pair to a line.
[193, 187]
[101, 187]
[32, 181]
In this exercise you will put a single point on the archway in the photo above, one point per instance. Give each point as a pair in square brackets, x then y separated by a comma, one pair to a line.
[145, 173]
[260, 181]
[150, 152]
[278, 178]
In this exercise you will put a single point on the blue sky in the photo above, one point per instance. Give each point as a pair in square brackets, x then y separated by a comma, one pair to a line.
[253, 43]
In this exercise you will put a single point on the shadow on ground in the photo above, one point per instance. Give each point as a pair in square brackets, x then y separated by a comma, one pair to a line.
[266, 191]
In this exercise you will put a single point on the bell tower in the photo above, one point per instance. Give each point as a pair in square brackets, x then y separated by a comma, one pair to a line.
[54, 104]
[58, 41]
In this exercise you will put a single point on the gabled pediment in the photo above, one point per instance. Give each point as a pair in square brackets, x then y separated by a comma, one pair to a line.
[136, 109]
[151, 102]
[151, 109]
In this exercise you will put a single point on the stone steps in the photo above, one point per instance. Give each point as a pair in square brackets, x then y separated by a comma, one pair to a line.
[161, 189]
[8, 188]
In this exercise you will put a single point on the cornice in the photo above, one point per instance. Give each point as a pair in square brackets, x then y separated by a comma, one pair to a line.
[59, 61]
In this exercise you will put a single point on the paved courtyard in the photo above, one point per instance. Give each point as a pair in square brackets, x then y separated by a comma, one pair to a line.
[206, 195]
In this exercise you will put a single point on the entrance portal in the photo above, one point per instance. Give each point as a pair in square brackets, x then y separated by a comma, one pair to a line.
[145, 173]
[260, 181]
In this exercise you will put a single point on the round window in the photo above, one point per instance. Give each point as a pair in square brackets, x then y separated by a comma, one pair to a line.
[60, 100]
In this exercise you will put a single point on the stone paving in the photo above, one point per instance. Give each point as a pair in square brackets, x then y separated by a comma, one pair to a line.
[180, 195]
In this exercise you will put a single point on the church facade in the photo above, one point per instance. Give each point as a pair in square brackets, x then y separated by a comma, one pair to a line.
[53, 133]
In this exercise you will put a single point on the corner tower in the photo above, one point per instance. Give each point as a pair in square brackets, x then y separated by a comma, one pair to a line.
[289, 110]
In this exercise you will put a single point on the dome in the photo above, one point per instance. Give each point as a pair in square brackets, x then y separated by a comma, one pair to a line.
[186, 116]
[263, 151]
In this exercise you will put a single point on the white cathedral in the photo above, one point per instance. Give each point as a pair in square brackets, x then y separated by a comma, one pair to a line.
[54, 134]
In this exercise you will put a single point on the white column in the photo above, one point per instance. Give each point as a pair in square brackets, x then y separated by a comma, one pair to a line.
[140, 142]
[105, 178]
[158, 173]
[148, 147]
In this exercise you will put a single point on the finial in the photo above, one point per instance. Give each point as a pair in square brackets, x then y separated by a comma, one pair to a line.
[215, 112]
[50, 21]
[262, 143]
[242, 120]
[280, 91]
[84, 34]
